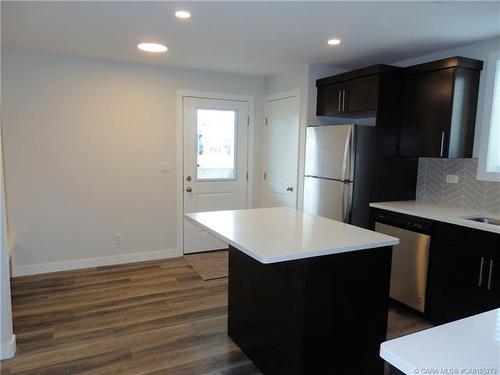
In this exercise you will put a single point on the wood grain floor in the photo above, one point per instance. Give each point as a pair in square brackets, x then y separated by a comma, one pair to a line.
[145, 318]
[154, 317]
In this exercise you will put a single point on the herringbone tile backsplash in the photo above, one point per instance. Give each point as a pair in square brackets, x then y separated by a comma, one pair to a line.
[468, 192]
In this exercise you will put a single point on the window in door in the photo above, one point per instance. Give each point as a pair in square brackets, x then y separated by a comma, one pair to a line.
[215, 152]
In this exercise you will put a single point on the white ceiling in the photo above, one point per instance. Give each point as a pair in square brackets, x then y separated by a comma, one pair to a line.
[262, 38]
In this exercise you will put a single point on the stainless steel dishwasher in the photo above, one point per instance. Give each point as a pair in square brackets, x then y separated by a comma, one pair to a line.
[410, 259]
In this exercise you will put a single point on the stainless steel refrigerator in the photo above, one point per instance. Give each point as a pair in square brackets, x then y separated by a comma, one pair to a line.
[338, 172]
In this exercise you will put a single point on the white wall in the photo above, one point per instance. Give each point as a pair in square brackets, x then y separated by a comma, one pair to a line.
[303, 78]
[480, 51]
[83, 143]
[7, 338]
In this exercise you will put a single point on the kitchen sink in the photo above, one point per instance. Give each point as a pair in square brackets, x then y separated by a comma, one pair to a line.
[485, 220]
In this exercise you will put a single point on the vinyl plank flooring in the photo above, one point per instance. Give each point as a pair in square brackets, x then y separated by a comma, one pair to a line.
[148, 318]
[155, 317]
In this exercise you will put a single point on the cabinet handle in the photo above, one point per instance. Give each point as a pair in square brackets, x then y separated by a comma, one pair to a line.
[442, 143]
[340, 98]
[343, 100]
[490, 275]
[481, 273]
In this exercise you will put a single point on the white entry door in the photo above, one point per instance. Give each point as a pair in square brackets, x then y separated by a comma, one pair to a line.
[282, 156]
[215, 163]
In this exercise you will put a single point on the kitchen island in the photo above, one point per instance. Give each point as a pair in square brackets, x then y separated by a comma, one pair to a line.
[306, 294]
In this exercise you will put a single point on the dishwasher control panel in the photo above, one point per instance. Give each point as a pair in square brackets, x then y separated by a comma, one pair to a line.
[410, 223]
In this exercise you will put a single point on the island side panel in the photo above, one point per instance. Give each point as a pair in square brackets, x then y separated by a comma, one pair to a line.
[325, 314]
[265, 310]
[346, 308]
[394, 371]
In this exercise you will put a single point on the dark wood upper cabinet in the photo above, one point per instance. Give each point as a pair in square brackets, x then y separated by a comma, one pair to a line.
[351, 94]
[439, 108]
[329, 100]
[361, 94]
[426, 110]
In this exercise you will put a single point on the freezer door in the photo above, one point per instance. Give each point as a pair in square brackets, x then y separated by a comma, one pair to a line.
[328, 152]
[327, 198]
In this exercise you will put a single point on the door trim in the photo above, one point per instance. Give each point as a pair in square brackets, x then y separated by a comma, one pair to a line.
[300, 175]
[180, 95]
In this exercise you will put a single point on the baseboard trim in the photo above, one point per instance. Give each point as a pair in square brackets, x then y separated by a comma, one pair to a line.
[33, 269]
[8, 350]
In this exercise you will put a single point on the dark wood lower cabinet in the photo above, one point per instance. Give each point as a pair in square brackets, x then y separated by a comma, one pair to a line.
[464, 269]
[323, 315]
[463, 277]
[394, 371]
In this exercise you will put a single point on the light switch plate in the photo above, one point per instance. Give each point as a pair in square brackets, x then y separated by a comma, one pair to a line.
[452, 178]
[164, 167]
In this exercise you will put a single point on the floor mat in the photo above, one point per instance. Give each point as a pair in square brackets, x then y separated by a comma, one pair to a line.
[209, 265]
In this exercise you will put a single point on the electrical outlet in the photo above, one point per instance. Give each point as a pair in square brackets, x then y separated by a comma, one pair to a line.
[452, 179]
[117, 239]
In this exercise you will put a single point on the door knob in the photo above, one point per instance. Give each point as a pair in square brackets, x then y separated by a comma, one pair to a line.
[188, 178]
[289, 188]
[188, 189]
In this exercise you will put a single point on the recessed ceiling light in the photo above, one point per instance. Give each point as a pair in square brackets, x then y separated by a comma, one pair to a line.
[183, 14]
[334, 42]
[152, 47]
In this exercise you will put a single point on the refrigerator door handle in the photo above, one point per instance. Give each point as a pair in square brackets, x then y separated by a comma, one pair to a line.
[346, 204]
[349, 203]
[347, 155]
[342, 203]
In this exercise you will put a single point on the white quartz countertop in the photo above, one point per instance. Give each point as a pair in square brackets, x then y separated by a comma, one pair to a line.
[461, 347]
[447, 214]
[278, 234]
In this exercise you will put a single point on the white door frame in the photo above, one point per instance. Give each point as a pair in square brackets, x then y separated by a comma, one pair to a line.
[180, 150]
[278, 96]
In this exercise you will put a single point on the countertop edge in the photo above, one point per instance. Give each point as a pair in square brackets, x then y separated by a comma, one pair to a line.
[460, 221]
[395, 360]
[409, 353]
[271, 260]
[225, 239]
[341, 250]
